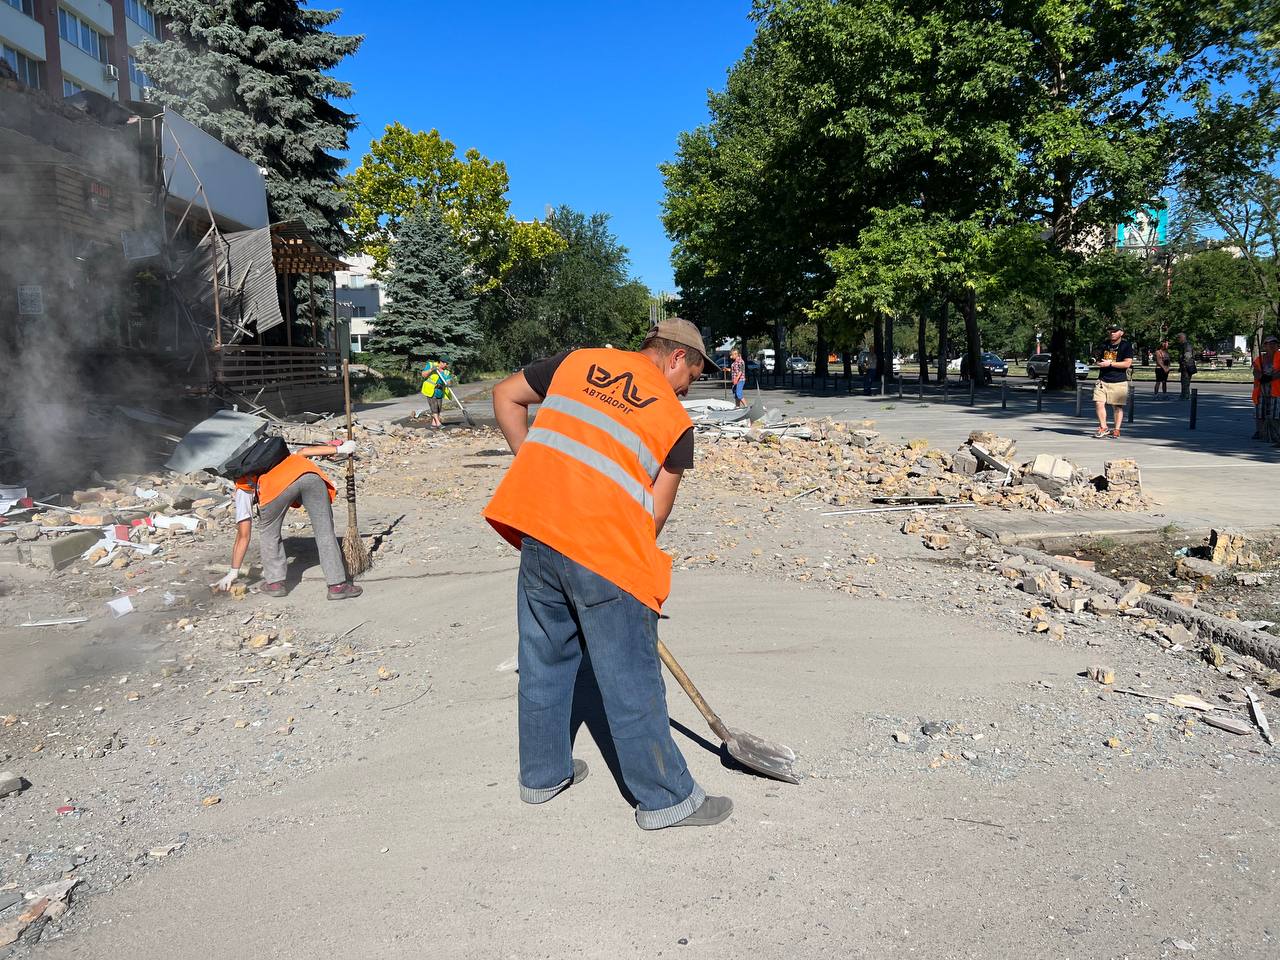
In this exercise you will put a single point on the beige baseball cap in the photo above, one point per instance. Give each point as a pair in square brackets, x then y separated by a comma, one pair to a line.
[682, 332]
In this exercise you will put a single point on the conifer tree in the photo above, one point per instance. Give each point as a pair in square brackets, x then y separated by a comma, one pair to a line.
[430, 311]
[255, 74]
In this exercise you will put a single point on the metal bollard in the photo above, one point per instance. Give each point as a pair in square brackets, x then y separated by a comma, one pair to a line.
[1131, 405]
[1039, 397]
[1004, 394]
[899, 386]
[946, 390]
[920, 382]
[1195, 401]
[973, 384]
[1077, 399]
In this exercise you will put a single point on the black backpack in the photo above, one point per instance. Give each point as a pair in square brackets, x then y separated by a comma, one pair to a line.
[265, 453]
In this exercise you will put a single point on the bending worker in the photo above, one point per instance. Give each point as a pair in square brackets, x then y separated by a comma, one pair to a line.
[589, 490]
[294, 481]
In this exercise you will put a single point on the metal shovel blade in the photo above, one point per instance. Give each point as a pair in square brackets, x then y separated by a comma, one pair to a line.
[763, 756]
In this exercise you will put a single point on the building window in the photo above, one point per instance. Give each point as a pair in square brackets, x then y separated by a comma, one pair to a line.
[70, 88]
[28, 70]
[78, 33]
[136, 74]
[360, 311]
[141, 14]
[23, 5]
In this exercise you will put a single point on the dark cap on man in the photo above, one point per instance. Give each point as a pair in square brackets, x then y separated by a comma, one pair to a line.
[682, 332]
[1115, 328]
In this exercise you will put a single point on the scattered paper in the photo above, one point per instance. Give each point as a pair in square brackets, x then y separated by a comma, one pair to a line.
[166, 523]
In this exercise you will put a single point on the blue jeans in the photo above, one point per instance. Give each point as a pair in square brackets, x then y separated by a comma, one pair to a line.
[738, 389]
[562, 607]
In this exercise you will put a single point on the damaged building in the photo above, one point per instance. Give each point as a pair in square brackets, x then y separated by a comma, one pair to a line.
[141, 286]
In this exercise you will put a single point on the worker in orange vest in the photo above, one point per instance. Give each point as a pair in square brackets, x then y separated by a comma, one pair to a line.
[591, 487]
[294, 481]
[1266, 390]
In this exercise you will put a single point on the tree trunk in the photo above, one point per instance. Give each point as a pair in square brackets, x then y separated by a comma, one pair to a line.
[944, 334]
[922, 327]
[846, 355]
[820, 361]
[877, 346]
[1062, 368]
[972, 340]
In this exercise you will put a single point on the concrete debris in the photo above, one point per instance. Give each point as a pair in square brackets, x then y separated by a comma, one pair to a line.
[1122, 474]
[1193, 568]
[1101, 674]
[850, 461]
[1259, 717]
[1230, 724]
[10, 784]
[1229, 548]
[45, 903]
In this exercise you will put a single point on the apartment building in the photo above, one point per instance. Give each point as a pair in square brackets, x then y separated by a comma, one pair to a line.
[360, 299]
[66, 46]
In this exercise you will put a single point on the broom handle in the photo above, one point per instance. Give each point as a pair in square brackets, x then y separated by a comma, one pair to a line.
[351, 460]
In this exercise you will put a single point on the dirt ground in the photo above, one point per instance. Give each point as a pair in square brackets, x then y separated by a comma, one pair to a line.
[966, 791]
[1154, 561]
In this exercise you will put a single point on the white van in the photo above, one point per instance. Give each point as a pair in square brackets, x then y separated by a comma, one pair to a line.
[766, 359]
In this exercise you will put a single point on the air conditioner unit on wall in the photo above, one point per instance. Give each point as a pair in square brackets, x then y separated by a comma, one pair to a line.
[110, 72]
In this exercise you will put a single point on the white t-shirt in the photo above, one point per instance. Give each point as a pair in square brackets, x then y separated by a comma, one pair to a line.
[244, 505]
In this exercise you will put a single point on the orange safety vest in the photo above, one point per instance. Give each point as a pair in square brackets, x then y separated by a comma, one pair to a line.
[1257, 376]
[582, 482]
[274, 482]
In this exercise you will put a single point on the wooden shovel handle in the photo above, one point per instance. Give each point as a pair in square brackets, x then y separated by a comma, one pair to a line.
[682, 678]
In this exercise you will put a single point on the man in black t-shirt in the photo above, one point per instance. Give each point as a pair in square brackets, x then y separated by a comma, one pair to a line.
[1112, 388]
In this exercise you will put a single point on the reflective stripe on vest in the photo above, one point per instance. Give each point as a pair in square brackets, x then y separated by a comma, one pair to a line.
[595, 460]
[602, 421]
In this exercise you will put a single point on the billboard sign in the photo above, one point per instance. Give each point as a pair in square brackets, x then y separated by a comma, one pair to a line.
[1144, 229]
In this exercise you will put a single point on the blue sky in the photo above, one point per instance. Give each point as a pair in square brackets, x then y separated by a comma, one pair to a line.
[582, 100]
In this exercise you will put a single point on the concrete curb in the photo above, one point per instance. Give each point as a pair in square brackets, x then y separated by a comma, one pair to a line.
[1213, 629]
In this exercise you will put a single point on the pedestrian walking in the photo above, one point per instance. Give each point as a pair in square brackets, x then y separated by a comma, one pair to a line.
[1112, 388]
[1163, 363]
[869, 374]
[293, 481]
[1186, 365]
[738, 375]
[1266, 391]
[592, 484]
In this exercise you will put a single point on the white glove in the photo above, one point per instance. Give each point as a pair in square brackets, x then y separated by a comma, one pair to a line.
[225, 583]
[345, 448]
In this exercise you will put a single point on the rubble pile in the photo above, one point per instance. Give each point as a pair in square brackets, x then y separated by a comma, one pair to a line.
[848, 462]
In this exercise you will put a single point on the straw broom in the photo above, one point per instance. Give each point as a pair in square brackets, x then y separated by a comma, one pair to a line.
[354, 552]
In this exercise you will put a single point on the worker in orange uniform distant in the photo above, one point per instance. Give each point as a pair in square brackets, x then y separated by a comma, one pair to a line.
[1266, 390]
[592, 483]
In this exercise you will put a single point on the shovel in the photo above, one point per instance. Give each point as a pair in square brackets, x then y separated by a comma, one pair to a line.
[763, 756]
[466, 416]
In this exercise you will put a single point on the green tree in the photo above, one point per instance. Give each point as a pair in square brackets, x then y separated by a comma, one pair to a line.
[430, 309]
[404, 169]
[256, 75]
[1211, 297]
[580, 295]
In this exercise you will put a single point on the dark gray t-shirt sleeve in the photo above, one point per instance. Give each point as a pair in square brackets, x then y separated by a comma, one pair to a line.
[539, 375]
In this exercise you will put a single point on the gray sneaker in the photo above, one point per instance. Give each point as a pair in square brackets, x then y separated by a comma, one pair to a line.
[713, 810]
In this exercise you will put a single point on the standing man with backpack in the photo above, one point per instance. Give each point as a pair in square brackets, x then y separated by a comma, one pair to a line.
[292, 481]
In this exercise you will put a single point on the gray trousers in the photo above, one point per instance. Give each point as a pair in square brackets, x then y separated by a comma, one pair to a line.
[310, 489]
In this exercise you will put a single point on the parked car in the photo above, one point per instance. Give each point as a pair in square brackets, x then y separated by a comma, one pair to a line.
[994, 365]
[798, 365]
[1038, 366]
